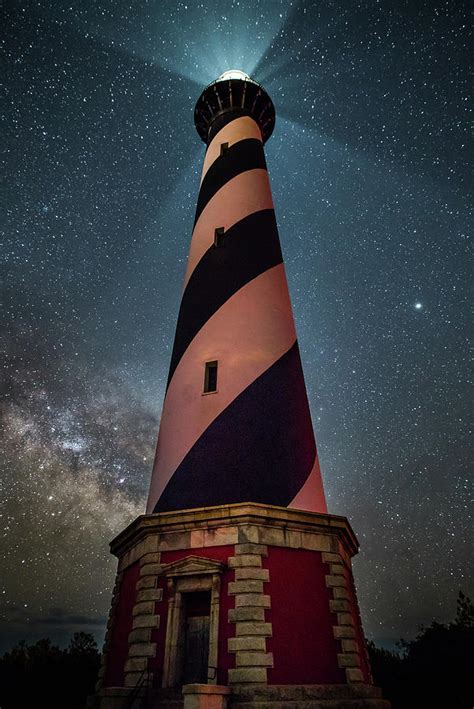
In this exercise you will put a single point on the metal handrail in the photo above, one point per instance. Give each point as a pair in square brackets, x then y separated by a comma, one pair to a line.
[134, 693]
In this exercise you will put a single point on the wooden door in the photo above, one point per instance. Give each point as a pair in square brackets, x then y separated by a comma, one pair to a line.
[196, 654]
[196, 640]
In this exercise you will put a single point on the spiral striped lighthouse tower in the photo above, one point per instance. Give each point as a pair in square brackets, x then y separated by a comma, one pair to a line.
[235, 588]
[236, 424]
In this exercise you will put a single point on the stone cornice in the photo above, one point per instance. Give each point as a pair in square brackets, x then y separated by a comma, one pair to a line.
[241, 514]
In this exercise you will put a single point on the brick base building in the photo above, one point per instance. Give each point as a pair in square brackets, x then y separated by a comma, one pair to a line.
[254, 598]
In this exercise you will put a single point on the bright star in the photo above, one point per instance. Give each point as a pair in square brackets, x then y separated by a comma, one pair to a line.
[418, 306]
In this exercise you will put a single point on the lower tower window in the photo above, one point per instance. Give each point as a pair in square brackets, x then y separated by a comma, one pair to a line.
[210, 377]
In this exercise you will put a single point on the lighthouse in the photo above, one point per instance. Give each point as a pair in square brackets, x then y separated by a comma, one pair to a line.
[235, 588]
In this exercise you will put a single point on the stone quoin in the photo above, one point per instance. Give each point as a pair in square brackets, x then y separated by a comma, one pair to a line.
[235, 589]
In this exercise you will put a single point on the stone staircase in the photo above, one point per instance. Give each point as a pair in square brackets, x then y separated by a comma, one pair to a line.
[359, 696]
[315, 704]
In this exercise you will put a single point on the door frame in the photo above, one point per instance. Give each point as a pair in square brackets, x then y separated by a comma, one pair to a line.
[193, 573]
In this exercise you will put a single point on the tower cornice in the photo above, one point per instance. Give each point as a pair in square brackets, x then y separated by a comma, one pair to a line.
[283, 519]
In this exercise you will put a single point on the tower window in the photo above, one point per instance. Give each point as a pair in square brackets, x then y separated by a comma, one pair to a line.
[219, 236]
[224, 148]
[210, 377]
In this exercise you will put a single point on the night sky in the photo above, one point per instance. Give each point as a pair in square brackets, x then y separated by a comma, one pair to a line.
[369, 164]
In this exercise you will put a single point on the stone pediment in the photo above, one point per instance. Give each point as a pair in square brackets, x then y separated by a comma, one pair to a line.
[193, 566]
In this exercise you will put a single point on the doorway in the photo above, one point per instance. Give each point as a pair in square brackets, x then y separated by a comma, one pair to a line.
[192, 628]
[196, 617]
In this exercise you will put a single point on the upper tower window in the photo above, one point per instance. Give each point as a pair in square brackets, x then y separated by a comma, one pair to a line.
[210, 377]
[224, 148]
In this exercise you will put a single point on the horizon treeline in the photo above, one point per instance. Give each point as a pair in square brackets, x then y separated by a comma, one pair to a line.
[433, 670]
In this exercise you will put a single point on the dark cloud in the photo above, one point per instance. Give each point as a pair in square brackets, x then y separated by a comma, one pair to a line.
[55, 617]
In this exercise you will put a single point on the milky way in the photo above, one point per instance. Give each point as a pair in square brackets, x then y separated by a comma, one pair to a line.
[370, 177]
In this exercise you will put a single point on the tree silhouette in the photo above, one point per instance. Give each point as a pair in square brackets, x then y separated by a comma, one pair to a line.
[44, 675]
[434, 669]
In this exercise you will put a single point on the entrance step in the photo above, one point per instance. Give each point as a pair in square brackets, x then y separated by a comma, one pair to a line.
[165, 699]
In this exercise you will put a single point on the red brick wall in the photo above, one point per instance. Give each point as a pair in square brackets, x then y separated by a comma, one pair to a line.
[303, 645]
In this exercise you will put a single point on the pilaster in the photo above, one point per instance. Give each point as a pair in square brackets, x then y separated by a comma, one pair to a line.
[251, 630]
[344, 631]
[140, 647]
